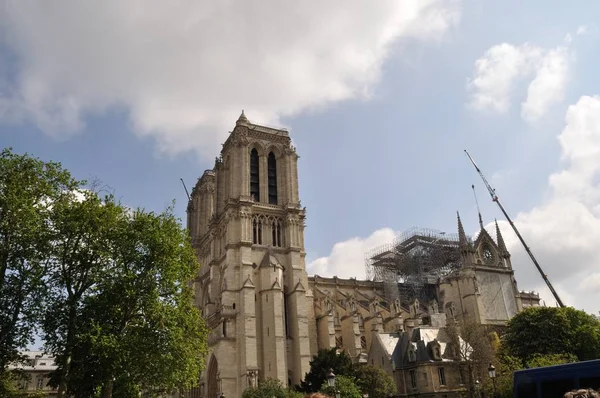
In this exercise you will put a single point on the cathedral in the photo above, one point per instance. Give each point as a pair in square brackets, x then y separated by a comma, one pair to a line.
[267, 317]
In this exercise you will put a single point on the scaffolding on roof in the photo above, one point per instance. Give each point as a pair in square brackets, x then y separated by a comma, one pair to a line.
[412, 264]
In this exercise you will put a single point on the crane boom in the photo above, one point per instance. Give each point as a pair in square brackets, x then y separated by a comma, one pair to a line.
[492, 192]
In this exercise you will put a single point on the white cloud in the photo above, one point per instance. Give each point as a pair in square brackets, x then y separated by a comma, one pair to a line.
[347, 258]
[496, 72]
[184, 70]
[564, 231]
[502, 67]
[548, 86]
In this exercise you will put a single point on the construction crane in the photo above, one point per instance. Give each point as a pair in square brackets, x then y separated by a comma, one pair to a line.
[492, 192]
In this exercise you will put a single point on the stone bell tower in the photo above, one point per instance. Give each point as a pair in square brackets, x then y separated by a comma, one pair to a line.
[247, 227]
[485, 289]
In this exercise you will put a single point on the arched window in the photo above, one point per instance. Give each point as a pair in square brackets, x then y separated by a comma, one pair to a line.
[276, 233]
[254, 176]
[257, 231]
[272, 177]
[363, 342]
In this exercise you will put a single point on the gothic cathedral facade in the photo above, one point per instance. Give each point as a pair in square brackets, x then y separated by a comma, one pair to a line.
[247, 227]
[267, 317]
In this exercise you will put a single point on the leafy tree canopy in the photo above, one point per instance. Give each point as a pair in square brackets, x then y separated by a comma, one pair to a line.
[345, 385]
[130, 319]
[271, 389]
[538, 361]
[28, 188]
[320, 366]
[542, 331]
[374, 381]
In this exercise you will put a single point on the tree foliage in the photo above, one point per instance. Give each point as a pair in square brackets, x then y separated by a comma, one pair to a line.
[345, 385]
[135, 324]
[107, 286]
[538, 361]
[374, 381]
[350, 378]
[320, 366]
[505, 365]
[28, 187]
[271, 388]
[548, 331]
[84, 226]
[9, 386]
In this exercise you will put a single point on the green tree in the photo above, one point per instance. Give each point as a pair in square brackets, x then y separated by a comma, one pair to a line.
[549, 330]
[374, 381]
[345, 385]
[538, 361]
[9, 386]
[320, 366]
[28, 187]
[83, 225]
[140, 327]
[270, 388]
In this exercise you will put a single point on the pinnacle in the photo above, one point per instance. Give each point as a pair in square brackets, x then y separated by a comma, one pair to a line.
[500, 240]
[242, 118]
[462, 236]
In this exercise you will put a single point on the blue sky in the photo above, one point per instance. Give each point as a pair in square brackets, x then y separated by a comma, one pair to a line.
[380, 102]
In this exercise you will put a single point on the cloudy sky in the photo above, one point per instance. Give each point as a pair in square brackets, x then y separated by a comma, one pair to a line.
[381, 99]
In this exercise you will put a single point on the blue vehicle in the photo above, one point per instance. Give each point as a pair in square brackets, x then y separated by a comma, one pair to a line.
[555, 381]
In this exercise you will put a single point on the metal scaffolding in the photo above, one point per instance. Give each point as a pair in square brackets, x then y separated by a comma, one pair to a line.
[411, 266]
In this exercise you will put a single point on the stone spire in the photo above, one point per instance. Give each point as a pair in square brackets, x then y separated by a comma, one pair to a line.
[463, 242]
[500, 240]
[242, 118]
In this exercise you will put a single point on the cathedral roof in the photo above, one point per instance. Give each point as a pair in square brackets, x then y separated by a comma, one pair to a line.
[388, 341]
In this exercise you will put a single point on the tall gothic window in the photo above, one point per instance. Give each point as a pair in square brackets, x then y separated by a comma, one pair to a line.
[257, 232]
[276, 234]
[272, 174]
[254, 177]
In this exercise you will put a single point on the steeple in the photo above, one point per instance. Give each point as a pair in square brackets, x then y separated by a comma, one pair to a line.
[463, 242]
[500, 240]
[478, 210]
[242, 118]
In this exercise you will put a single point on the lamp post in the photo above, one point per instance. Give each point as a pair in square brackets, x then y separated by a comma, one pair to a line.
[492, 372]
[331, 383]
[331, 378]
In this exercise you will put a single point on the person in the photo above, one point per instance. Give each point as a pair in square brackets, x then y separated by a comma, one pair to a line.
[584, 393]
[316, 395]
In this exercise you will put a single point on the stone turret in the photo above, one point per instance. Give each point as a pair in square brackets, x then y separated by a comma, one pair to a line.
[503, 251]
[463, 242]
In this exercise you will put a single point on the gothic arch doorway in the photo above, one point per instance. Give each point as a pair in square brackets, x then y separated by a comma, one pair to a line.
[212, 378]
